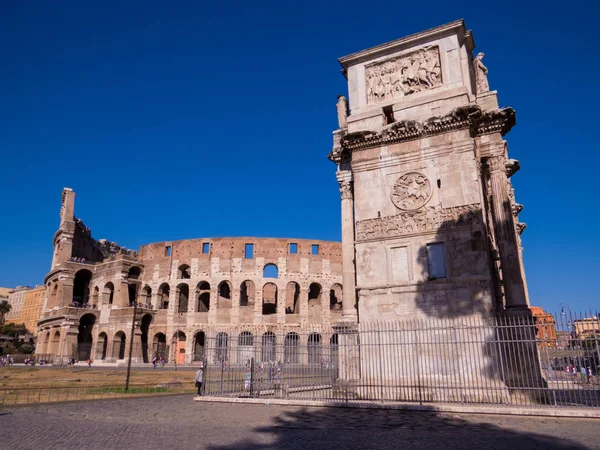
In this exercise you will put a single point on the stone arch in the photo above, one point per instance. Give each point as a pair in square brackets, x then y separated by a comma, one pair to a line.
[314, 295]
[46, 342]
[224, 294]
[269, 299]
[119, 341]
[292, 294]
[81, 287]
[84, 337]
[134, 273]
[245, 347]
[101, 346]
[291, 348]
[315, 348]
[55, 343]
[159, 346]
[178, 343]
[96, 296]
[269, 347]
[183, 295]
[163, 296]
[108, 293]
[221, 347]
[270, 271]
[335, 297]
[53, 298]
[247, 294]
[203, 291]
[184, 272]
[144, 328]
[199, 340]
[147, 296]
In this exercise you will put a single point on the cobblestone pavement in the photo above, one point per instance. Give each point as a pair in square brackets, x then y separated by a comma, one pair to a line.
[179, 422]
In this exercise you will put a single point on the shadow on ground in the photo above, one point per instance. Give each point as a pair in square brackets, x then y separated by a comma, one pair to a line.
[389, 429]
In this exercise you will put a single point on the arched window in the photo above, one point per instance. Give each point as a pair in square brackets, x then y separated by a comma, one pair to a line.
[245, 347]
[247, 293]
[159, 346]
[119, 345]
[269, 346]
[335, 297]
[81, 287]
[291, 348]
[163, 296]
[315, 353]
[55, 343]
[109, 293]
[147, 297]
[134, 273]
[269, 305]
[199, 338]
[102, 346]
[184, 272]
[314, 295]
[203, 303]
[270, 271]
[224, 300]
[221, 347]
[245, 338]
[292, 293]
[183, 296]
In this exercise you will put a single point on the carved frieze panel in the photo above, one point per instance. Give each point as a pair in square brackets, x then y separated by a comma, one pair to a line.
[403, 75]
[433, 218]
[411, 191]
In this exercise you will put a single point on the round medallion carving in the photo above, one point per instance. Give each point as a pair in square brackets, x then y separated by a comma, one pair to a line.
[411, 191]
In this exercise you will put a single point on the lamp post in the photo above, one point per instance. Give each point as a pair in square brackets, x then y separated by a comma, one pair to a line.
[133, 322]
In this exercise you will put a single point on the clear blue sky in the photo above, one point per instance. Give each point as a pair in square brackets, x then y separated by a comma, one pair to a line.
[175, 120]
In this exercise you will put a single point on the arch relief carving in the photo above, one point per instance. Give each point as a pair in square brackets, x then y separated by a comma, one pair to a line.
[411, 191]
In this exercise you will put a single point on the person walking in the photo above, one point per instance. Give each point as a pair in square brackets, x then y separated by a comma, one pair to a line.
[154, 362]
[199, 379]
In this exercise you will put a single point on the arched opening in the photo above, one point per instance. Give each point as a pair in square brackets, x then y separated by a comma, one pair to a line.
[183, 292]
[245, 347]
[132, 293]
[119, 345]
[95, 296]
[247, 294]
[291, 348]
[203, 304]
[184, 272]
[315, 350]
[224, 292]
[159, 346]
[84, 337]
[199, 338]
[269, 347]
[145, 326]
[81, 287]
[178, 342]
[163, 296]
[335, 297]
[46, 342]
[134, 273]
[109, 293]
[292, 294]
[270, 271]
[101, 346]
[269, 303]
[53, 301]
[334, 351]
[221, 347]
[314, 295]
[147, 297]
[55, 343]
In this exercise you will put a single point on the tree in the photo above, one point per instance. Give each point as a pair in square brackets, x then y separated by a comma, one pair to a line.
[5, 308]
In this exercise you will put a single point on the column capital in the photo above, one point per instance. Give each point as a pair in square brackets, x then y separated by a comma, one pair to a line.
[344, 178]
[496, 163]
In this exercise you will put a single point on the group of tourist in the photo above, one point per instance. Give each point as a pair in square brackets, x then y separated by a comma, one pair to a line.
[585, 373]
[82, 305]
[7, 361]
[156, 361]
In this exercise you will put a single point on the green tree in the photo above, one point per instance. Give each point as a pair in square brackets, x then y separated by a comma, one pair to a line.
[5, 308]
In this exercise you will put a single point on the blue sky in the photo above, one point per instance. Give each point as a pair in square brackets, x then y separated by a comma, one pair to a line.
[175, 120]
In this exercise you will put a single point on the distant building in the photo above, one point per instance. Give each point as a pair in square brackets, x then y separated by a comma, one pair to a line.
[32, 307]
[588, 327]
[16, 298]
[4, 293]
[545, 327]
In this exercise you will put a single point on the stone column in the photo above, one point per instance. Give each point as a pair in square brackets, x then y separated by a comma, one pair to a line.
[514, 290]
[344, 178]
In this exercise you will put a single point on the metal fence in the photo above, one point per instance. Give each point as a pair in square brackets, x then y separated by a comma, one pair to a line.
[549, 361]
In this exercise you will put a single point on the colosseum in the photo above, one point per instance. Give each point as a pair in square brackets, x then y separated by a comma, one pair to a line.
[182, 293]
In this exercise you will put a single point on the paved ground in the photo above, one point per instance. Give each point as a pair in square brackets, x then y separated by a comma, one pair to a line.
[178, 422]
